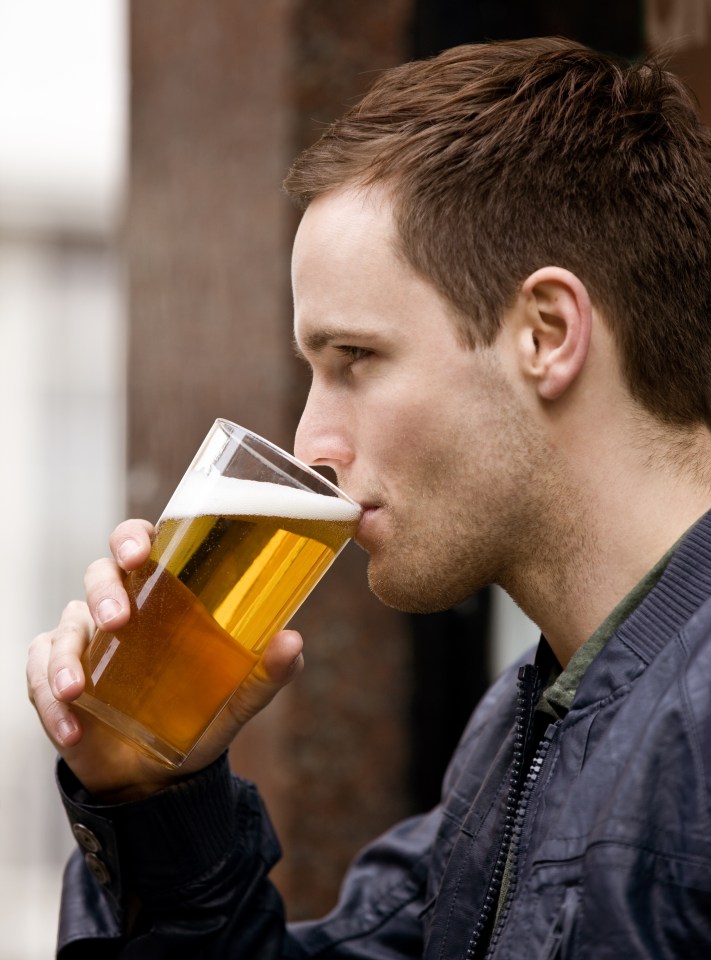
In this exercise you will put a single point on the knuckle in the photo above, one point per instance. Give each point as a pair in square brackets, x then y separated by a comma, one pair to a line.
[38, 644]
[70, 633]
[98, 588]
[37, 685]
[51, 714]
[64, 631]
[37, 658]
[133, 529]
[97, 569]
[68, 641]
[74, 611]
[131, 542]
[32, 682]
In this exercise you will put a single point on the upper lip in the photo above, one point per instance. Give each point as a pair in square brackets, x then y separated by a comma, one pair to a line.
[366, 505]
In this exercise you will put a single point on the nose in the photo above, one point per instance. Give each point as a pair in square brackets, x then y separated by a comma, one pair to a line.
[322, 438]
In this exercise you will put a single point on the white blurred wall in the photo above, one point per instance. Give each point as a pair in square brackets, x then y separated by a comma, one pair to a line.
[63, 93]
[63, 131]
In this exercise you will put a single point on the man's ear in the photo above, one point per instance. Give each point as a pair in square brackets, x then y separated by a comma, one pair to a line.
[555, 326]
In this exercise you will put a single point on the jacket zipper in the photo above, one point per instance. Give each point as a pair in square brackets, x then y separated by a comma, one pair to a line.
[528, 690]
[522, 810]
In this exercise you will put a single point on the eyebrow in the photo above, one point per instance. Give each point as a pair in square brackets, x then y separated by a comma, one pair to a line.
[320, 339]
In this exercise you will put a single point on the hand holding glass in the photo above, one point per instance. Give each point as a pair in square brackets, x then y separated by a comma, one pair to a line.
[246, 536]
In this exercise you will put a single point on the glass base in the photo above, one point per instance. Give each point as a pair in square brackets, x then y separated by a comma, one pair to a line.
[134, 733]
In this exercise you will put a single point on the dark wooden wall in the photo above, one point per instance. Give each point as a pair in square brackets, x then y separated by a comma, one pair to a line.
[224, 93]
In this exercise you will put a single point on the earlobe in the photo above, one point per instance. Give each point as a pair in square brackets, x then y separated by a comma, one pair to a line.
[555, 330]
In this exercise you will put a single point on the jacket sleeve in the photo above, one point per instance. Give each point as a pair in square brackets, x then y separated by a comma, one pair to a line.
[185, 874]
[180, 874]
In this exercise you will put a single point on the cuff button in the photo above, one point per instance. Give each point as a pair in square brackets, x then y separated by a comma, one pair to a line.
[97, 868]
[86, 837]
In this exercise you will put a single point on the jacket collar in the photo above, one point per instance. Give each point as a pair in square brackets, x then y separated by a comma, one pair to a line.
[682, 589]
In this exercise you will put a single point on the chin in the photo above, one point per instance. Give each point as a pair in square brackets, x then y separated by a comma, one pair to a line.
[418, 595]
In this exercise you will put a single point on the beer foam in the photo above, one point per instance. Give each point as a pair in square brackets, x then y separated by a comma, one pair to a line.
[201, 494]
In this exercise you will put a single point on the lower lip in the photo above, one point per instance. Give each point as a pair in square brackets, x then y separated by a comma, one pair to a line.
[366, 523]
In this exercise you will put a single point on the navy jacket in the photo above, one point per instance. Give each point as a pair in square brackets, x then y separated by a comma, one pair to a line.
[607, 814]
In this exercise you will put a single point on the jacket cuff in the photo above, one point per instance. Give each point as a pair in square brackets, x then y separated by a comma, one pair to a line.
[169, 839]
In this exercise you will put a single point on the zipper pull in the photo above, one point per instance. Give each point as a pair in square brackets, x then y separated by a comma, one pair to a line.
[529, 688]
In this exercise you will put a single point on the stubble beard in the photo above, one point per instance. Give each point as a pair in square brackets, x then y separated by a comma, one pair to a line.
[490, 532]
[426, 570]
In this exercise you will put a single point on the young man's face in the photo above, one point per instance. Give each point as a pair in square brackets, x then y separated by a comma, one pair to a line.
[425, 433]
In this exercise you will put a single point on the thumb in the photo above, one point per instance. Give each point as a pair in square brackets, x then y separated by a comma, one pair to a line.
[281, 662]
[283, 658]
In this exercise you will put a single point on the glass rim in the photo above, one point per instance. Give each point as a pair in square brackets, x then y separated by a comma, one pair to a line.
[230, 426]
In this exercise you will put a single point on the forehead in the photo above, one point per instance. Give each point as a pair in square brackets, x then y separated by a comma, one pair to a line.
[348, 274]
[343, 230]
[344, 262]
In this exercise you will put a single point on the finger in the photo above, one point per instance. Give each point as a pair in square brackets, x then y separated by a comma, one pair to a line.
[131, 543]
[105, 594]
[68, 641]
[60, 724]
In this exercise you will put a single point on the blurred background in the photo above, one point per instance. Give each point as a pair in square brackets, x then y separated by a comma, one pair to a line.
[144, 264]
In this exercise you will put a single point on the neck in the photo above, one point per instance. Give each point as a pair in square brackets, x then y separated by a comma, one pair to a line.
[625, 510]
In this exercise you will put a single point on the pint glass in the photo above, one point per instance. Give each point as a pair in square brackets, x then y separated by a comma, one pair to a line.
[245, 537]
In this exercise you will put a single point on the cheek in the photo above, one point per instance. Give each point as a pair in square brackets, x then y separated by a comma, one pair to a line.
[415, 425]
[405, 429]
[419, 451]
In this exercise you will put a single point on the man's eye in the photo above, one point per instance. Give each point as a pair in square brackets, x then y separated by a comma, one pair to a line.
[352, 354]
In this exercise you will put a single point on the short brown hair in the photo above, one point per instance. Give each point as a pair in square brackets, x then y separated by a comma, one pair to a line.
[506, 157]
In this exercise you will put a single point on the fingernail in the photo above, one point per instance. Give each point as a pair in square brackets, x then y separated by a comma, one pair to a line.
[127, 550]
[66, 729]
[107, 610]
[65, 679]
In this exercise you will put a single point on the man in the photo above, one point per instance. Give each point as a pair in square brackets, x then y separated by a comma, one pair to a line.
[502, 284]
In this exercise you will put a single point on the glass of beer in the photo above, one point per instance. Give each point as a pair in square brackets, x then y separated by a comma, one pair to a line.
[244, 539]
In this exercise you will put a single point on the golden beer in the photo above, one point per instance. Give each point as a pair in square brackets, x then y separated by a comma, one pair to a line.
[216, 588]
